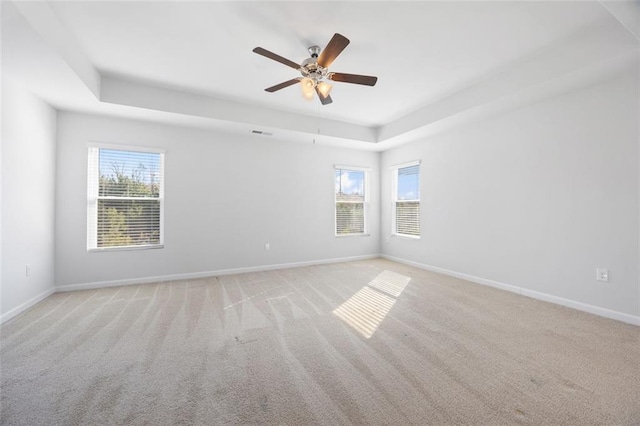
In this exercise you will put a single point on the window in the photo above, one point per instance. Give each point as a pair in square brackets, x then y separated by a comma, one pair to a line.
[352, 187]
[125, 197]
[406, 199]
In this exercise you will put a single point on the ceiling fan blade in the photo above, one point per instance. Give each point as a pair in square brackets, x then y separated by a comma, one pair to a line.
[325, 100]
[282, 85]
[336, 45]
[365, 80]
[277, 58]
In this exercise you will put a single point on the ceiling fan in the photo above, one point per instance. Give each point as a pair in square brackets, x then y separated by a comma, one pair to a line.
[315, 70]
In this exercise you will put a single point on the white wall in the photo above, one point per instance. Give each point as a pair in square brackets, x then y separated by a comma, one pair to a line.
[536, 198]
[226, 196]
[28, 183]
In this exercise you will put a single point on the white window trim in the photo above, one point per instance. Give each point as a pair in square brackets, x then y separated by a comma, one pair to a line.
[409, 164]
[367, 200]
[119, 147]
[394, 198]
[92, 195]
[354, 168]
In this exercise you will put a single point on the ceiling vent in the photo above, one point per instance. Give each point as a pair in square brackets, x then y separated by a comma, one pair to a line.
[260, 132]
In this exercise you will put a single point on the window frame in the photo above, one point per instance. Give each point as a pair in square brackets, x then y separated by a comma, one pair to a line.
[92, 190]
[394, 198]
[365, 204]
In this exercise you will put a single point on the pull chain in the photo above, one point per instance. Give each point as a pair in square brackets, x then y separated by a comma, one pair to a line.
[318, 122]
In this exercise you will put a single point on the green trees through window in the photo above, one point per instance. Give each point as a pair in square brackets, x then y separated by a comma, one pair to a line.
[128, 205]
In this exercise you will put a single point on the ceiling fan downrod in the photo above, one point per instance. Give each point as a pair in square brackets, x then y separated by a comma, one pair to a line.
[314, 51]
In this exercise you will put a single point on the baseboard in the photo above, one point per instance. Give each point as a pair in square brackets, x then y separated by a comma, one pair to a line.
[596, 310]
[26, 305]
[205, 274]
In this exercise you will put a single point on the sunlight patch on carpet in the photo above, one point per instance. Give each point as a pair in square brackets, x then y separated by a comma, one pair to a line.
[365, 310]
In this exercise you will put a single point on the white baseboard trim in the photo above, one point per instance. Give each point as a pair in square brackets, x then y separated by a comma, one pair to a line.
[205, 274]
[596, 310]
[26, 305]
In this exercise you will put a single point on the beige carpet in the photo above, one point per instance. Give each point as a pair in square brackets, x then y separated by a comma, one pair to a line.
[368, 342]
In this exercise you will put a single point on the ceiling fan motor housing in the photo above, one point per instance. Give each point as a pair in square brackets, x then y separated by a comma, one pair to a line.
[310, 68]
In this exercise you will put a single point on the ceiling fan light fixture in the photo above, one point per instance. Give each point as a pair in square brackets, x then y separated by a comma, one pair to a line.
[308, 87]
[324, 88]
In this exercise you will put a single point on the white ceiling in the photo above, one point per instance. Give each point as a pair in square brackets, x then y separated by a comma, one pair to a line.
[422, 52]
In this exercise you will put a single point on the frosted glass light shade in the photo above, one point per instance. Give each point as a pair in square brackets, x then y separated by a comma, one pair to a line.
[324, 88]
[307, 85]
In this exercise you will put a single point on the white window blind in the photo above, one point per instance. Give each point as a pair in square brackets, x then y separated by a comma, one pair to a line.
[406, 200]
[351, 199]
[125, 198]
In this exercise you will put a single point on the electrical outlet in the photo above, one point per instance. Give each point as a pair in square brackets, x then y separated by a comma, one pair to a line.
[27, 271]
[602, 275]
[267, 246]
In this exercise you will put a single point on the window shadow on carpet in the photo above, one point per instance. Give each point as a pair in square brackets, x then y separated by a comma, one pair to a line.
[367, 309]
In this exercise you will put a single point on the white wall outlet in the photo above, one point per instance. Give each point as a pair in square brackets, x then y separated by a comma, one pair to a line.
[602, 275]
[267, 246]
[27, 271]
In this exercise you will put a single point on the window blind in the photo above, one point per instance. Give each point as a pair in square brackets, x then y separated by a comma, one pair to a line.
[350, 201]
[408, 218]
[125, 198]
[407, 200]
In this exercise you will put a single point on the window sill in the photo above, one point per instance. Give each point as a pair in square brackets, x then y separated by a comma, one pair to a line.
[352, 235]
[125, 248]
[406, 237]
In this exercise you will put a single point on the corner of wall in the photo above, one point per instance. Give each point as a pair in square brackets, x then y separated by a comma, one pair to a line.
[27, 221]
[638, 163]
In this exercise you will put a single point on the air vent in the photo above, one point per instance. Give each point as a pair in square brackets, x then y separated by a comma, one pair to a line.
[260, 132]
